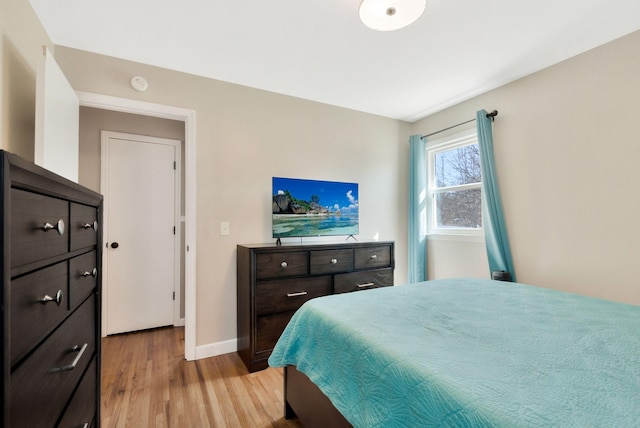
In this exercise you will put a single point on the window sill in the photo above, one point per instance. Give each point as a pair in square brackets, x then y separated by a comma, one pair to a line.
[461, 237]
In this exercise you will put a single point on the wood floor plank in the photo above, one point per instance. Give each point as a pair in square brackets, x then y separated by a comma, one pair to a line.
[147, 383]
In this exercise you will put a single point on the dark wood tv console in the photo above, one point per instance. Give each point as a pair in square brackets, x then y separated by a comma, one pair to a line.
[275, 280]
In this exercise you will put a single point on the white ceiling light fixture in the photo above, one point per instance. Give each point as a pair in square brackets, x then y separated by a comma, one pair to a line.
[388, 15]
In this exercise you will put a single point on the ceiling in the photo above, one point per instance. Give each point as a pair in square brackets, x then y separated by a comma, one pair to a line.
[319, 50]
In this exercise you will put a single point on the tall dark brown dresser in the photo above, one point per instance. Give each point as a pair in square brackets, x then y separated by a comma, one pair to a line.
[50, 302]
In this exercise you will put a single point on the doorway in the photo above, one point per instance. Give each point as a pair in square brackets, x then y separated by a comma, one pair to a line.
[187, 116]
[141, 184]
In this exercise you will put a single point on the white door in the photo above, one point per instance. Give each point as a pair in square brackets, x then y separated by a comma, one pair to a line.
[140, 232]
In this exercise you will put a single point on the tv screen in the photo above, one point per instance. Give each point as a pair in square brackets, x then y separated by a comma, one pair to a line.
[314, 208]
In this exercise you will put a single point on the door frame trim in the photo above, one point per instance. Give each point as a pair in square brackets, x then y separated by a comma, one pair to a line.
[125, 105]
[105, 136]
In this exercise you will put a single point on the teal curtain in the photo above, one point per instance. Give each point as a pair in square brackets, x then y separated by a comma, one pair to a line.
[495, 231]
[417, 210]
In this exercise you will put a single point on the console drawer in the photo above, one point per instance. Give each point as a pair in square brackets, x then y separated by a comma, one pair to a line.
[373, 257]
[81, 409]
[289, 294]
[331, 261]
[83, 226]
[31, 319]
[269, 329]
[83, 275]
[282, 263]
[43, 384]
[355, 281]
[30, 240]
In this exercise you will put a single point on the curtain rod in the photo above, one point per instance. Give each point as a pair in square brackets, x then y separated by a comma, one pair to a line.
[492, 115]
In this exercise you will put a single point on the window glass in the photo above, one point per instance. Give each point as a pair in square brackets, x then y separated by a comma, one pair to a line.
[455, 185]
[458, 166]
[461, 209]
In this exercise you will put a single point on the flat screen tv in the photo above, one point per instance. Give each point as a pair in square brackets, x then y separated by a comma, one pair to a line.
[304, 208]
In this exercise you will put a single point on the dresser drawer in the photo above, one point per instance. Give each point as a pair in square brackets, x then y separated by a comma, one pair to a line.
[289, 294]
[83, 226]
[331, 261]
[83, 275]
[43, 384]
[355, 281]
[82, 408]
[282, 263]
[269, 329]
[373, 257]
[31, 319]
[31, 240]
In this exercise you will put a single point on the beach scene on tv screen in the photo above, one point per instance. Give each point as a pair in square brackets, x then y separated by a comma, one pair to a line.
[314, 208]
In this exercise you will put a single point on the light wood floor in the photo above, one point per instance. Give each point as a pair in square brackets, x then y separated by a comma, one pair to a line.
[147, 383]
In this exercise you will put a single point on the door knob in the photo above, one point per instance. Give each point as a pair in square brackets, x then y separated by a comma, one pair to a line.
[114, 245]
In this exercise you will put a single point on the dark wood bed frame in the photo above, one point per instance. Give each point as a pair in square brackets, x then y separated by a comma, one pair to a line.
[302, 398]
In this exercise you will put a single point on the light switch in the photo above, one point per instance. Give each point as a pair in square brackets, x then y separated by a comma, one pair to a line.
[224, 228]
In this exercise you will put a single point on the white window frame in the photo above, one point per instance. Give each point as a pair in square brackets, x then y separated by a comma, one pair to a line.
[460, 139]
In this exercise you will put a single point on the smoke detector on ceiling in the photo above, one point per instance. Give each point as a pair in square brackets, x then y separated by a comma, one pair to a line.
[139, 83]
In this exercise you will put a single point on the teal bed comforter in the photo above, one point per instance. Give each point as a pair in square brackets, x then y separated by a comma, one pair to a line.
[470, 353]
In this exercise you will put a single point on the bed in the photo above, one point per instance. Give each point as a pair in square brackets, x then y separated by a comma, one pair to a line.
[463, 353]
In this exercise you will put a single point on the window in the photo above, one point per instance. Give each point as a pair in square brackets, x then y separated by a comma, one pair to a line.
[454, 185]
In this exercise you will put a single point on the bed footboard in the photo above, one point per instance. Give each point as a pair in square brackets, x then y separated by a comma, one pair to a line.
[302, 398]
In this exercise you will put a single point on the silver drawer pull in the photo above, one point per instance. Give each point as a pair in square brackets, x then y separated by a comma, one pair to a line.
[334, 261]
[47, 299]
[374, 256]
[283, 264]
[93, 273]
[59, 226]
[366, 284]
[299, 293]
[75, 361]
[93, 226]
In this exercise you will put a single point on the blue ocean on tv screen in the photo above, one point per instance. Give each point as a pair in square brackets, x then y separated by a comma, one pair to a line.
[314, 208]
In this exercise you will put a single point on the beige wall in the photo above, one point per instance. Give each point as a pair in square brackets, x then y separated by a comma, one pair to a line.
[22, 37]
[455, 257]
[567, 156]
[246, 136]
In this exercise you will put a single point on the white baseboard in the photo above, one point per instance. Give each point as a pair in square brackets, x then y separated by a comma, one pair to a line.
[179, 323]
[218, 348]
